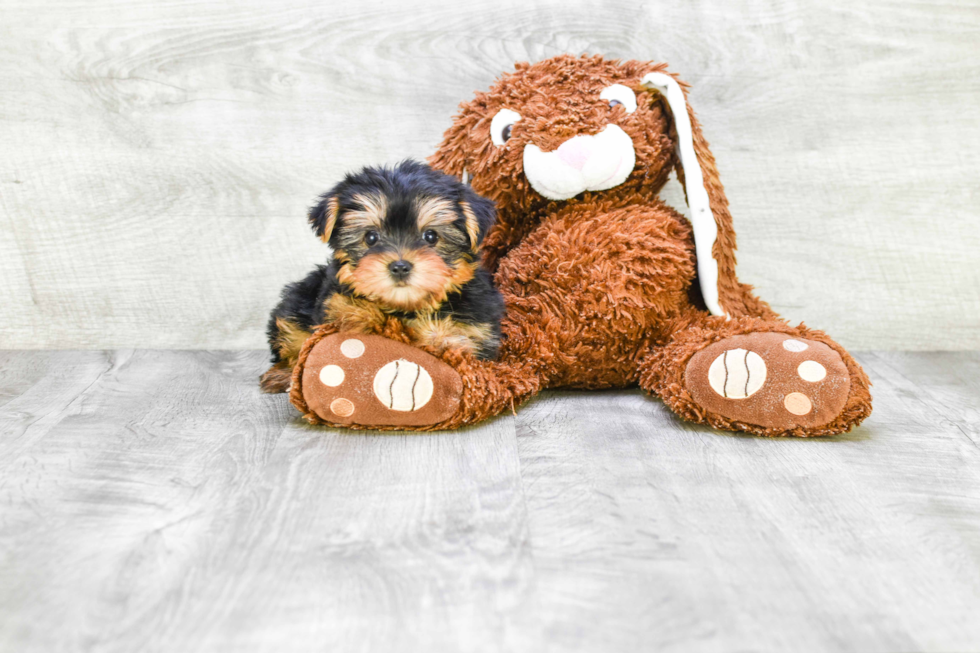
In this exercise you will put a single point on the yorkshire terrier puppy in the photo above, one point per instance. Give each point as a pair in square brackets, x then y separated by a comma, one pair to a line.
[406, 244]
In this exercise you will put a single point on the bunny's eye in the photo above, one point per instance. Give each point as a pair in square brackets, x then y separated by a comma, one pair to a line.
[500, 126]
[619, 95]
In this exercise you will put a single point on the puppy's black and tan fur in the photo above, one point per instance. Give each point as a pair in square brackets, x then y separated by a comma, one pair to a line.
[406, 244]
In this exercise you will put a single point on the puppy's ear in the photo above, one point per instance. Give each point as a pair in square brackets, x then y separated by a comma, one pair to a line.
[323, 216]
[480, 214]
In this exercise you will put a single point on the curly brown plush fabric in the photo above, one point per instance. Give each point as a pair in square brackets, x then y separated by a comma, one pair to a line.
[601, 289]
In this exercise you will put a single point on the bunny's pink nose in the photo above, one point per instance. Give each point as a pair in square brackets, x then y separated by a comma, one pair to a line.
[576, 151]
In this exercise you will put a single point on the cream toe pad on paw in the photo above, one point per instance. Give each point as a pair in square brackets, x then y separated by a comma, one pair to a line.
[811, 371]
[332, 375]
[794, 345]
[403, 385]
[737, 374]
[352, 348]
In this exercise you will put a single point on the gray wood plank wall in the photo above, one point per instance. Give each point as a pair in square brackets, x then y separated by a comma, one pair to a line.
[156, 158]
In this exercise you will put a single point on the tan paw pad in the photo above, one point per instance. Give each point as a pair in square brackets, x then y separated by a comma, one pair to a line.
[342, 407]
[797, 403]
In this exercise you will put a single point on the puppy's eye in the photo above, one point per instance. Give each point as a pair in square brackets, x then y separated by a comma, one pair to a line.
[619, 95]
[500, 126]
[430, 236]
[371, 238]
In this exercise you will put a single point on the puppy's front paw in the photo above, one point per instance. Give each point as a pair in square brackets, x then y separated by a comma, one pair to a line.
[373, 381]
[276, 379]
[770, 380]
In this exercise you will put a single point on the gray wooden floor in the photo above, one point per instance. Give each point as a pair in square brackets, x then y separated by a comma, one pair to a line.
[154, 500]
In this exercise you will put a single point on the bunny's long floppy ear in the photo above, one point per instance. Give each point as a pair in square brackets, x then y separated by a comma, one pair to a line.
[714, 236]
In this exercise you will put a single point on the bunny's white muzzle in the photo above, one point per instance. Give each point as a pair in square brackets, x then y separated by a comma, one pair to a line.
[581, 163]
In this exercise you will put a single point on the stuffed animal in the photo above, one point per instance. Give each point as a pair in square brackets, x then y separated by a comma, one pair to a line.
[605, 285]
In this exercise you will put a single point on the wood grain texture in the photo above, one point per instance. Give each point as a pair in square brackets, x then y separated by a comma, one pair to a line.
[155, 501]
[865, 542]
[159, 156]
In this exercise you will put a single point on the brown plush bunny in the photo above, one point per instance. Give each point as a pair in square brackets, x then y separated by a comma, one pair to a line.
[605, 285]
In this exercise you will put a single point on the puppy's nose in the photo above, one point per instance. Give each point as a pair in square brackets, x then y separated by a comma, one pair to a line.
[399, 269]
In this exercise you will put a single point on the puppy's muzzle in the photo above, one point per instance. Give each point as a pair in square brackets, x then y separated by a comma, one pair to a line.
[400, 269]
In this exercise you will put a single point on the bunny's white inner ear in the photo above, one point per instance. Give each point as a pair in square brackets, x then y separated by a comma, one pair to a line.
[702, 219]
